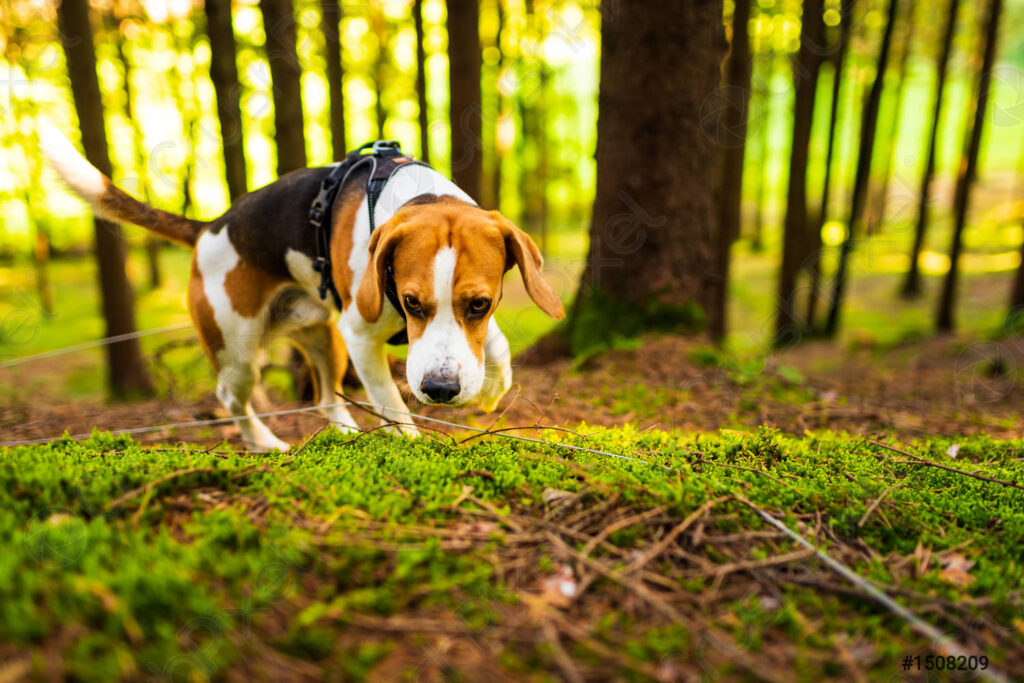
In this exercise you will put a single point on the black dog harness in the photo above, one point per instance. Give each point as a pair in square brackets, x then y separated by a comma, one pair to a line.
[384, 157]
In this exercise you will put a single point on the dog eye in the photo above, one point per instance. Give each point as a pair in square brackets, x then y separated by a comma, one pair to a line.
[479, 306]
[412, 304]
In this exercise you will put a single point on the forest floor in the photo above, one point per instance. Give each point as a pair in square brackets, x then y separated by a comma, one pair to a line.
[937, 387]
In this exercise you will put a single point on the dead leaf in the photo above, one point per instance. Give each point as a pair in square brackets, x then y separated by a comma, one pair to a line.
[954, 570]
[558, 497]
[953, 450]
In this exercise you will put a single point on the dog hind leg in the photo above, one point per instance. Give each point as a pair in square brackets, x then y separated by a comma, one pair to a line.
[325, 351]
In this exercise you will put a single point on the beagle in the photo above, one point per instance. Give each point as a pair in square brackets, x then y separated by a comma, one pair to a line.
[253, 277]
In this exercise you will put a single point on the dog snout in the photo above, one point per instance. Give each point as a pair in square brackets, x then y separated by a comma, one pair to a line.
[440, 389]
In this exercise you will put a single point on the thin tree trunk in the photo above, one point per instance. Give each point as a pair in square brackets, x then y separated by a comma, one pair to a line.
[499, 156]
[651, 241]
[465, 115]
[127, 374]
[330, 26]
[814, 245]
[876, 213]
[912, 284]
[421, 80]
[189, 108]
[808, 62]
[862, 176]
[733, 128]
[767, 100]
[1017, 295]
[285, 76]
[138, 159]
[945, 318]
[224, 74]
[380, 29]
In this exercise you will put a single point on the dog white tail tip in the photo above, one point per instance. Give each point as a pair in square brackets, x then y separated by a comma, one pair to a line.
[76, 171]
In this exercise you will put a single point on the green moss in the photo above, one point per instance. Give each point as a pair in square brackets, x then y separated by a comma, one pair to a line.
[588, 332]
[233, 555]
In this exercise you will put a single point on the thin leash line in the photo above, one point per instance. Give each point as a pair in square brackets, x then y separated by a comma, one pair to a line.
[92, 344]
[939, 639]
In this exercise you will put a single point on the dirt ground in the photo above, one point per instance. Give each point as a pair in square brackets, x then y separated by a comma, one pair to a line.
[940, 386]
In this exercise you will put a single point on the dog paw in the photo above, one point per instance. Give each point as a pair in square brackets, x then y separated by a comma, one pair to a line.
[268, 446]
[494, 389]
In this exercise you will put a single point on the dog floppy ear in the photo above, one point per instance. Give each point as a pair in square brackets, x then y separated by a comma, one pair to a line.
[522, 251]
[370, 297]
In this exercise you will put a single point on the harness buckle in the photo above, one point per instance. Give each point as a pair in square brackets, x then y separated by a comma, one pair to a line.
[317, 214]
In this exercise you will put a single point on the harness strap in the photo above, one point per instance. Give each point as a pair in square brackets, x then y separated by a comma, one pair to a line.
[385, 158]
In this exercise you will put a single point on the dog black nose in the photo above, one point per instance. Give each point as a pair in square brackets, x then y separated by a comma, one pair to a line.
[442, 390]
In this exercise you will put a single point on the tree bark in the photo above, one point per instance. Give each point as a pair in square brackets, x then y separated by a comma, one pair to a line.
[912, 284]
[876, 213]
[1017, 295]
[814, 245]
[152, 242]
[655, 209]
[421, 80]
[945, 317]
[330, 26]
[224, 74]
[285, 76]
[465, 116]
[808, 62]
[862, 176]
[126, 373]
[733, 128]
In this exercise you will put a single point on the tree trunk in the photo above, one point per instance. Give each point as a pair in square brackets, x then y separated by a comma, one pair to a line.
[421, 80]
[655, 209]
[733, 128]
[380, 30]
[465, 116]
[499, 153]
[814, 245]
[330, 26]
[945, 318]
[285, 76]
[767, 100]
[862, 176]
[876, 214]
[138, 156]
[126, 373]
[794, 241]
[912, 284]
[224, 74]
[1017, 295]
[189, 106]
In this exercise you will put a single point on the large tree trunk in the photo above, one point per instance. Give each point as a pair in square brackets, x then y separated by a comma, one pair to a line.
[733, 128]
[969, 169]
[224, 74]
[330, 26]
[794, 242]
[655, 209]
[814, 245]
[862, 176]
[126, 373]
[912, 285]
[465, 116]
[421, 80]
[285, 76]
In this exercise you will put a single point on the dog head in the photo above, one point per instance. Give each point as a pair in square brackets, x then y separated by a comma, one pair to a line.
[448, 259]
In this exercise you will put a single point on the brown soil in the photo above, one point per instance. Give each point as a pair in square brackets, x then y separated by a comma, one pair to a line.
[937, 387]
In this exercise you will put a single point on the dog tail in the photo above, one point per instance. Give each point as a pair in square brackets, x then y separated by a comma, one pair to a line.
[108, 201]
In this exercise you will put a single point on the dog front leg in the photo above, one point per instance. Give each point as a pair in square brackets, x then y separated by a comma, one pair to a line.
[497, 368]
[368, 354]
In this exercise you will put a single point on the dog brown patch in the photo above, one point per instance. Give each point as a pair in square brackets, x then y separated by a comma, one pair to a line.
[249, 288]
[202, 316]
[341, 245]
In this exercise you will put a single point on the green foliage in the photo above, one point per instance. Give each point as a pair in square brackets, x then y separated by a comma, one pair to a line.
[177, 562]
